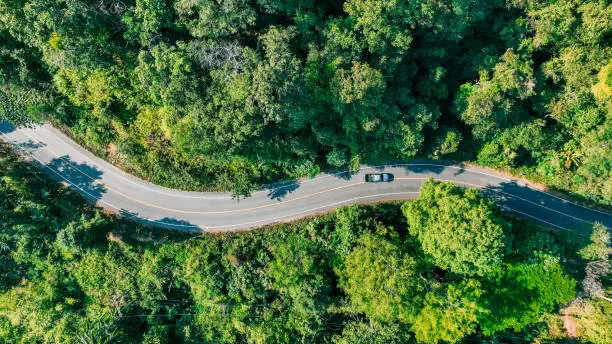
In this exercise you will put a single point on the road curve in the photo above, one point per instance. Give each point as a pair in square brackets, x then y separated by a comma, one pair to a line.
[118, 191]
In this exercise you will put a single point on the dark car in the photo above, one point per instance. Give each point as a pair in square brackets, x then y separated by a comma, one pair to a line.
[378, 177]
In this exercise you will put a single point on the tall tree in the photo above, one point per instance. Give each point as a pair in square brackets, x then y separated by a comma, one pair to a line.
[458, 229]
[449, 315]
[381, 281]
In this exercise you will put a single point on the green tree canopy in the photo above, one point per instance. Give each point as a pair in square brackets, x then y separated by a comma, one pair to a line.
[517, 295]
[457, 228]
[449, 315]
[380, 280]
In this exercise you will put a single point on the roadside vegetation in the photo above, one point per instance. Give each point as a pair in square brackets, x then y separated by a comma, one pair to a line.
[447, 267]
[232, 94]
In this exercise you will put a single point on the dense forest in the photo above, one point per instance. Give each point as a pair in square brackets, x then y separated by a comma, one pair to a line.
[212, 94]
[447, 267]
[232, 94]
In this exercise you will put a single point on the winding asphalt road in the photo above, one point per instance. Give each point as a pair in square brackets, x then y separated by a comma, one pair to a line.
[120, 192]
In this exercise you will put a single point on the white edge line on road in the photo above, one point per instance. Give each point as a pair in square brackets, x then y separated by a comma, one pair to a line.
[500, 192]
[551, 224]
[207, 227]
[130, 178]
[180, 193]
[293, 214]
[96, 199]
[314, 209]
[539, 205]
[248, 223]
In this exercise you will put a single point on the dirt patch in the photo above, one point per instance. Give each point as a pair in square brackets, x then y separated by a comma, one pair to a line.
[115, 158]
[115, 237]
[106, 210]
[111, 149]
[570, 325]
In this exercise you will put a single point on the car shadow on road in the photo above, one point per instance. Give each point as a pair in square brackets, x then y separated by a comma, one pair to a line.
[84, 178]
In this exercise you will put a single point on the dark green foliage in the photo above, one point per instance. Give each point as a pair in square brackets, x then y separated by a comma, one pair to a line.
[23, 81]
[228, 95]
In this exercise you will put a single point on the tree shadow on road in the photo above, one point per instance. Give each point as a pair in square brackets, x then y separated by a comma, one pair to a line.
[30, 146]
[281, 190]
[166, 222]
[6, 127]
[422, 168]
[531, 203]
[344, 174]
[460, 170]
[82, 177]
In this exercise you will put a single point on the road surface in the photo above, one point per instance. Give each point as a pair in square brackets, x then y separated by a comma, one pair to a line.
[118, 191]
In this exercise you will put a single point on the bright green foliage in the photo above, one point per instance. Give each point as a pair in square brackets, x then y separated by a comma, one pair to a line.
[32, 209]
[517, 295]
[296, 273]
[495, 102]
[279, 83]
[449, 315]
[372, 333]
[157, 335]
[337, 158]
[228, 95]
[290, 7]
[71, 274]
[593, 318]
[165, 75]
[40, 311]
[380, 281]
[77, 235]
[213, 19]
[603, 89]
[358, 98]
[22, 81]
[553, 23]
[457, 228]
[361, 84]
[145, 20]
[37, 295]
[447, 143]
[511, 147]
[384, 25]
[351, 223]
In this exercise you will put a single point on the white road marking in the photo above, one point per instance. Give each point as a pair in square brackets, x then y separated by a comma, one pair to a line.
[284, 186]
